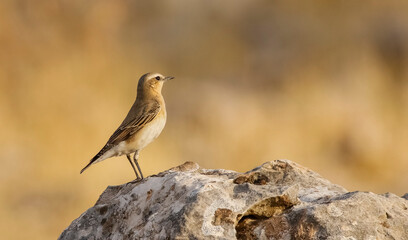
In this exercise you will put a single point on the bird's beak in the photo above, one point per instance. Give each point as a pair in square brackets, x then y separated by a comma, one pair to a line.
[168, 78]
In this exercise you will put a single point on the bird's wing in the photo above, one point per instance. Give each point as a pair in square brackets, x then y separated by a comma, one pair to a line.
[144, 115]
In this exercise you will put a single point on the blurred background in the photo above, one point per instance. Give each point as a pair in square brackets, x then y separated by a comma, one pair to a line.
[322, 84]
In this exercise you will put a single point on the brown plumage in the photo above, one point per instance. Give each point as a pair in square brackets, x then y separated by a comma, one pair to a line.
[143, 123]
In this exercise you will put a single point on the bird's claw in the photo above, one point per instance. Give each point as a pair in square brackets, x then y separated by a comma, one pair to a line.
[135, 181]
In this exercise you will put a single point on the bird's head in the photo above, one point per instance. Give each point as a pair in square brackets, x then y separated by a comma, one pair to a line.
[151, 83]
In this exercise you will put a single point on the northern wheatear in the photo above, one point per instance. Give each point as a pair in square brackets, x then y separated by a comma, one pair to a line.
[143, 123]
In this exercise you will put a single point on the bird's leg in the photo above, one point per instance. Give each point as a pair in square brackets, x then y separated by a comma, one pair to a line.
[133, 166]
[135, 157]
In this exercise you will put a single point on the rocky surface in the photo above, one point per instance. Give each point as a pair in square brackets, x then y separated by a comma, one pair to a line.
[278, 200]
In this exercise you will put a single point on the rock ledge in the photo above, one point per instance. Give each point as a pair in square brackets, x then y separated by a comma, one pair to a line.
[278, 200]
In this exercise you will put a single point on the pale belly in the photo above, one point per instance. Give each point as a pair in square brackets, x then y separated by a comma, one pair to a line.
[138, 141]
[146, 135]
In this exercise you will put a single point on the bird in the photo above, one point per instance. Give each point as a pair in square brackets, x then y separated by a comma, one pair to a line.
[144, 123]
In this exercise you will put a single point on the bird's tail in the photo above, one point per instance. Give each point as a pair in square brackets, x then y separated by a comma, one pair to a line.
[93, 160]
[87, 166]
[97, 158]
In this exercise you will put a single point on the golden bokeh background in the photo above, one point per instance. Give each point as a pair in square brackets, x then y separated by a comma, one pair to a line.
[323, 84]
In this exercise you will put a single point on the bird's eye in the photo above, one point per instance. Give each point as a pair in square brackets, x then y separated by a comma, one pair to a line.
[157, 78]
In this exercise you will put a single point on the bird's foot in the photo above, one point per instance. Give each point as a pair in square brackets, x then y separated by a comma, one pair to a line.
[135, 181]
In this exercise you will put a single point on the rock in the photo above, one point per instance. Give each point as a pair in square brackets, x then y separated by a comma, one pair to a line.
[278, 200]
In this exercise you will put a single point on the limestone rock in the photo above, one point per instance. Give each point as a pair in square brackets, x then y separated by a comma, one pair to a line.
[278, 200]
